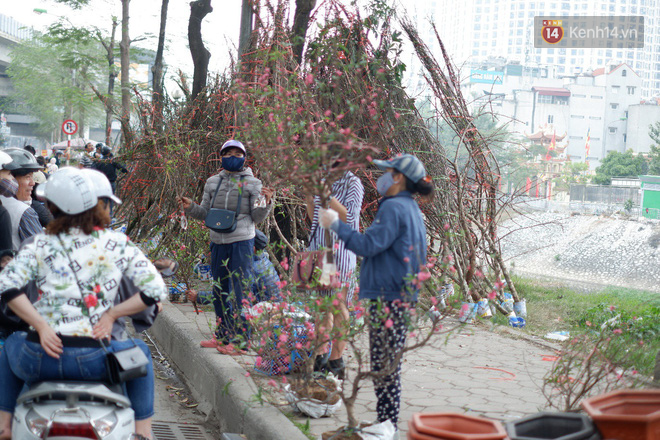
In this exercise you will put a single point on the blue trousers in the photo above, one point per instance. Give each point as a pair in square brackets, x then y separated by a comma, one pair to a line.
[231, 267]
[23, 362]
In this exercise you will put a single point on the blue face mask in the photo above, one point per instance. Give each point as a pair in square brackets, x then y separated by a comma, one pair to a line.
[384, 183]
[233, 163]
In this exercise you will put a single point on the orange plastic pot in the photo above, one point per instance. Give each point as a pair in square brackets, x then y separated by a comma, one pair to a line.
[453, 426]
[626, 414]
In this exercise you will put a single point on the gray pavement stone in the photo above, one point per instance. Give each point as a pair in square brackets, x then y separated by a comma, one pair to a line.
[477, 370]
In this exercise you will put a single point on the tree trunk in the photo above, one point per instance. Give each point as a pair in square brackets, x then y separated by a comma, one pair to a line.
[246, 28]
[200, 55]
[124, 48]
[112, 74]
[300, 25]
[157, 97]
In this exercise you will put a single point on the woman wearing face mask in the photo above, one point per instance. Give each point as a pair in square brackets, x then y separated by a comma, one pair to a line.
[231, 252]
[394, 251]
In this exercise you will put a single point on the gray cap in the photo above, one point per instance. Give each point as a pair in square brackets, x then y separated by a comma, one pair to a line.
[233, 144]
[406, 164]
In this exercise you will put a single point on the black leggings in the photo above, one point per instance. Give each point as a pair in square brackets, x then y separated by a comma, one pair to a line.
[388, 323]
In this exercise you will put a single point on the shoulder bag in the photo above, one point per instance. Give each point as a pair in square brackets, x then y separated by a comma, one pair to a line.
[121, 365]
[307, 268]
[223, 221]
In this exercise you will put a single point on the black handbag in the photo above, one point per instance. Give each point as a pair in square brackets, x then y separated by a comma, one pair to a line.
[223, 220]
[122, 365]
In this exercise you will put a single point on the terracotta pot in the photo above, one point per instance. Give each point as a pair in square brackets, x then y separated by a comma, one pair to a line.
[453, 426]
[626, 414]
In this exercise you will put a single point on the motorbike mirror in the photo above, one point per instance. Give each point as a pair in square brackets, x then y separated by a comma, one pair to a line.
[166, 267]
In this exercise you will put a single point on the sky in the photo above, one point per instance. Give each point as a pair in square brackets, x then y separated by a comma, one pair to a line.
[220, 28]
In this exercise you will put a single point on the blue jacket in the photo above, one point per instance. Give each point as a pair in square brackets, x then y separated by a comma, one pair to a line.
[393, 247]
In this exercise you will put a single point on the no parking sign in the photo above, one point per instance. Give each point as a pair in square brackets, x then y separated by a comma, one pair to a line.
[69, 127]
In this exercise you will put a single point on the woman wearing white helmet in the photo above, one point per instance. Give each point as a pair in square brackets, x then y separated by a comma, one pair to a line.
[78, 265]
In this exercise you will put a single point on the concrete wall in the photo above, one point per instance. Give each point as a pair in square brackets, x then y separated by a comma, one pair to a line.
[640, 116]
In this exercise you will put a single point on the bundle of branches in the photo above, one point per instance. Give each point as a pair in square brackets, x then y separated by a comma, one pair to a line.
[171, 161]
[471, 201]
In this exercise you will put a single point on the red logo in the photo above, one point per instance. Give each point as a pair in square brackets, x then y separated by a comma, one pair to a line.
[552, 31]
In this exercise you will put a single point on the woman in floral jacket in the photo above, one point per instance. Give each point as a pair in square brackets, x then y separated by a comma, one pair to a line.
[77, 266]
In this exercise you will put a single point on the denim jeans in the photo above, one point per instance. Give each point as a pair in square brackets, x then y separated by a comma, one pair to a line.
[23, 362]
[231, 266]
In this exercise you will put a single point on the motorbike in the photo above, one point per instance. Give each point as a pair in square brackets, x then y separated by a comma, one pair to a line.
[74, 410]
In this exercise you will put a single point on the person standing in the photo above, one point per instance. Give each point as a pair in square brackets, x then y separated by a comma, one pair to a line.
[346, 199]
[394, 251]
[76, 309]
[231, 252]
[86, 159]
[24, 219]
[8, 188]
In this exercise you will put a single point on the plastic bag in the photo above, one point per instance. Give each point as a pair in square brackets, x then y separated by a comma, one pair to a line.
[311, 407]
[377, 431]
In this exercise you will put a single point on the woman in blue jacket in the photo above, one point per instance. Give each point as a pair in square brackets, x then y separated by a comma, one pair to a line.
[394, 251]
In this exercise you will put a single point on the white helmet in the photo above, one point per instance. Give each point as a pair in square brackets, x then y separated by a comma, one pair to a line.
[70, 190]
[6, 161]
[102, 187]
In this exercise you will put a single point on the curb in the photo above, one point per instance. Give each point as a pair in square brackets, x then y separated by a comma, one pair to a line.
[219, 382]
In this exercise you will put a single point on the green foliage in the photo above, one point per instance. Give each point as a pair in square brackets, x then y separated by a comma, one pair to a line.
[561, 308]
[628, 205]
[75, 4]
[51, 74]
[618, 164]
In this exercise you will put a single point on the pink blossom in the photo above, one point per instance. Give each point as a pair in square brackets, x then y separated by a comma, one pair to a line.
[335, 302]
[309, 79]
[298, 346]
[423, 275]
[369, 158]
[272, 383]
[285, 263]
[283, 337]
[396, 115]
[492, 294]
[434, 300]
[406, 260]
[617, 331]
[258, 361]
[303, 263]
[612, 308]
[389, 323]
[336, 246]
[328, 113]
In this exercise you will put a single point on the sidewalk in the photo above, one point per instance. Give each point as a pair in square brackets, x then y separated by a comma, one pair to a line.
[479, 370]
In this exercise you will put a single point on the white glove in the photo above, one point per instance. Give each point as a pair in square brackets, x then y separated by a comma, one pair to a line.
[327, 217]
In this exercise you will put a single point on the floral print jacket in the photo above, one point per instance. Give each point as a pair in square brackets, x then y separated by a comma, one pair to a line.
[99, 261]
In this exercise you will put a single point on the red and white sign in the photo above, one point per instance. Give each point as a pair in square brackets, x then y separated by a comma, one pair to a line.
[69, 127]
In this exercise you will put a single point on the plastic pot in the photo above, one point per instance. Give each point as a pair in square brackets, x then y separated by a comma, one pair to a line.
[626, 414]
[553, 426]
[454, 426]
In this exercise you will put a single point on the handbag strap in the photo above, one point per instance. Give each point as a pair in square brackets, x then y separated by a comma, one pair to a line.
[240, 195]
[82, 295]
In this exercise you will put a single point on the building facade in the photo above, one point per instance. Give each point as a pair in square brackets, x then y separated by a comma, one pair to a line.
[593, 105]
[477, 29]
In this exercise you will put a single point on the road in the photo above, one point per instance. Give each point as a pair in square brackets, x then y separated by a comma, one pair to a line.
[177, 416]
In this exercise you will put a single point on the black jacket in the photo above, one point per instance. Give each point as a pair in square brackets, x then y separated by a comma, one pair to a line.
[5, 229]
[109, 167]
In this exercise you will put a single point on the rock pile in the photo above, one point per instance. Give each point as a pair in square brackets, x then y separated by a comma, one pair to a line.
[585, 248]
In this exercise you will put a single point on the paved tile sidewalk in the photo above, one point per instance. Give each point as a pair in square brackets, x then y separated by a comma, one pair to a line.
[480, 370]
